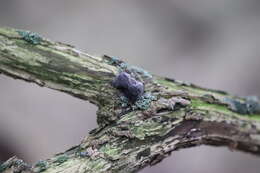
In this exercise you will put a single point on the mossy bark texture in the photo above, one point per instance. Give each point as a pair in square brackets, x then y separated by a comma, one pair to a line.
[171, 115]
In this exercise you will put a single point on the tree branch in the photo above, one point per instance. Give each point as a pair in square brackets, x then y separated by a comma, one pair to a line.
[171, 114]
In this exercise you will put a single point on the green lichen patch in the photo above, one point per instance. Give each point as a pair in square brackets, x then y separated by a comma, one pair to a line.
[122, 66]
[123, 101]
[30, 37]
[83, 154]
[139, 71]
[17, 165]
[251, 105]
[202, 105]
[236, 105]
[3, 167]
[147, 128]
[113, 152]
[98, 165]
[61, 159]
[129, 117]
[41, 166]
[111, 60]
[143, 103]
[199, 104]
[135, 71]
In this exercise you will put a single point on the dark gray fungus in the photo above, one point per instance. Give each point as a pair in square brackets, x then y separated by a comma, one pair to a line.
[129, 86]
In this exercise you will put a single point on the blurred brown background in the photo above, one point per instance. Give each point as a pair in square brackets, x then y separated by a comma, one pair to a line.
[213, 43]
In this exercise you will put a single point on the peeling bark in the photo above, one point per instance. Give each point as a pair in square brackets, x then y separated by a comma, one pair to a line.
[171, 115]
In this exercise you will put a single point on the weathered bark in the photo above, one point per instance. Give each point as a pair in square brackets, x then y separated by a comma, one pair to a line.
[173, 114]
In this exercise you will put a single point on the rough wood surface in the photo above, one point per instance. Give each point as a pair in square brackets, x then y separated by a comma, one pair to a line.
[171, 115]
